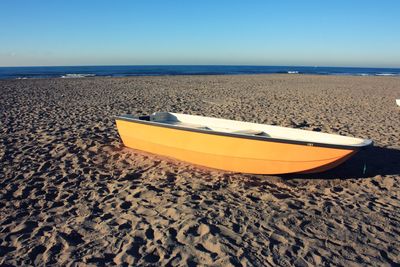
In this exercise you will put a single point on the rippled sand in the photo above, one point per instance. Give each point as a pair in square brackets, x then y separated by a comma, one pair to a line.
[71, 193]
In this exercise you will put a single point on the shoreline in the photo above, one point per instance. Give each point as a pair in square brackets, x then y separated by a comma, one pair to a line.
[284, 76]
[206, 75]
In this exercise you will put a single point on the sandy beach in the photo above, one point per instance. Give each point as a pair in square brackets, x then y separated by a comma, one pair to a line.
[72, 194]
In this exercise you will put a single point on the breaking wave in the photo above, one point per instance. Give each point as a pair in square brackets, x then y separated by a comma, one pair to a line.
[77, 75]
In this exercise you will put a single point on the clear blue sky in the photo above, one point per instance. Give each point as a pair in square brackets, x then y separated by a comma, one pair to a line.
[309, 32]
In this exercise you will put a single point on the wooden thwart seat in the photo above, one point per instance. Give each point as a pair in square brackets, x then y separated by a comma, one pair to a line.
[199, 126]
[249, 131]
[188, 125]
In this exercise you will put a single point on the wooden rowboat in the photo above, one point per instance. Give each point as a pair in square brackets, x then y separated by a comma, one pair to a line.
[235, 145]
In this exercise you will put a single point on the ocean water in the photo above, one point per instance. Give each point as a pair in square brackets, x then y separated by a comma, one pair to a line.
[124, 71]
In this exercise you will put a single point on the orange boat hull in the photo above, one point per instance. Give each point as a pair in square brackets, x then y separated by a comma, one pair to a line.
[230, 153]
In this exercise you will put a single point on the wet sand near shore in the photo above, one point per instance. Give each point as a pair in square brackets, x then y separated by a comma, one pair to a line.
[72, 194]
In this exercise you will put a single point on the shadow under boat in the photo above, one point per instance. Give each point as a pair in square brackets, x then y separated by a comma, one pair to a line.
[366, 163]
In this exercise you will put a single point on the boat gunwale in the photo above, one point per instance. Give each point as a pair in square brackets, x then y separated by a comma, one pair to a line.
[243, 136]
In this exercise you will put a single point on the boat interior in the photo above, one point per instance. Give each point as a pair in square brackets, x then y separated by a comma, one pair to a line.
[248, 129]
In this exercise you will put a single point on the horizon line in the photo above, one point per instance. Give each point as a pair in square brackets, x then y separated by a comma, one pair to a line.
[216, 65]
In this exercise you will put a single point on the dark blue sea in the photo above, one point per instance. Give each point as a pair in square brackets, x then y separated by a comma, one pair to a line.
[124, 71]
